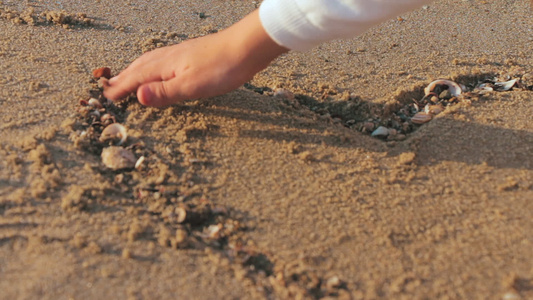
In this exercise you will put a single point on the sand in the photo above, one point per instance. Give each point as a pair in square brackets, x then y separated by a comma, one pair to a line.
[251, 195]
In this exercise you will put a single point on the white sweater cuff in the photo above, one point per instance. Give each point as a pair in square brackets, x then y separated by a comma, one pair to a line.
[303, 24]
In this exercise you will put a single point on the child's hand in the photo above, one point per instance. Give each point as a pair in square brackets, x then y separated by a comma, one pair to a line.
[198, 68]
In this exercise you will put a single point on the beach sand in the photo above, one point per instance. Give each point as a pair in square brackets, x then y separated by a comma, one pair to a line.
[254, 195]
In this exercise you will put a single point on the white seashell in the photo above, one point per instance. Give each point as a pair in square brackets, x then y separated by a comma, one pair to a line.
[421, 118]
[485, 88]
[381, 131]
[116, 133]
[95, 113]
[94, 103]
[505, 86]
[213, 231]
[117, 158]
[333, 282]
[139, 162]
[511, 296]
[454, 88]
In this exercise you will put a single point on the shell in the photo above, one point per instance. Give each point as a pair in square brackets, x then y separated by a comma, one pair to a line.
[139, 162]
[421, 118]
[94, 103]
[107, 119]
[381, 131]
[454, 88]
[102, 72]
[117, 158]
[115, 133]
[505, 86]
[485, 88]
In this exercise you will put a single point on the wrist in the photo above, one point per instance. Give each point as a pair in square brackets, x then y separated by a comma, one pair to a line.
[252, 46]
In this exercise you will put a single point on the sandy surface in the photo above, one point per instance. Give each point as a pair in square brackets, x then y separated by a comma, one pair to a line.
[285, 198]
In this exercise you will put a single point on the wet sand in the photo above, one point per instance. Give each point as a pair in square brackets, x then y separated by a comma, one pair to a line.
[285, 197]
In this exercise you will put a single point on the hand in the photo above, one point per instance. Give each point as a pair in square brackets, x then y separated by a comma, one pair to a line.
[198, 68]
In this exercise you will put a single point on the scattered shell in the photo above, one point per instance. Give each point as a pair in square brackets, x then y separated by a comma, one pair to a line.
[454, 88]
[181, 214]
[102, 72]
[139, 162]
[434, 109]
[505, 86]
[333, 282]
[95, 113]
[485, 88]
[421, 118]
[381, 131]
[116, 133]
[213, 231]
[107, 119]
[94, 103]
[117, 158]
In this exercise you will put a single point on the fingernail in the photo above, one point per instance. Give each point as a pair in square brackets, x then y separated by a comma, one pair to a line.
[113, 80]
[145, 95]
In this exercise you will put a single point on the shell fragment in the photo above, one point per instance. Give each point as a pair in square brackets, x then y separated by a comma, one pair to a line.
[421, 118]
[117, 158]
[114, 133]
[440, 85]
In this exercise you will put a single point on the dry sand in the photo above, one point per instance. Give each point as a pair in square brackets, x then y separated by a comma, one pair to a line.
[289, 201]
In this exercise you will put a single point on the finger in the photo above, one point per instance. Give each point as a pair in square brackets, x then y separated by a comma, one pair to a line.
[144, 70]
[162, 93]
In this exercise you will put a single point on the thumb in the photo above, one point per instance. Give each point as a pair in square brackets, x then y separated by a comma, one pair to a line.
[160, 93]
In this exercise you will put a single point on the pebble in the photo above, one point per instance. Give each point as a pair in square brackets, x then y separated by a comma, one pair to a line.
[368, 126]
[381, 131]
[446, 94]
[283, 93]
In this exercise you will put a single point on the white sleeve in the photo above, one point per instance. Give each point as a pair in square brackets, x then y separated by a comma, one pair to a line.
[303, 24]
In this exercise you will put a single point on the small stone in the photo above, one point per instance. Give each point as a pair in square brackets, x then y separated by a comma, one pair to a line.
[380, 132]
[446, 94]
[400, 137]
[126, 253]
[283, 93]
[368, 126]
